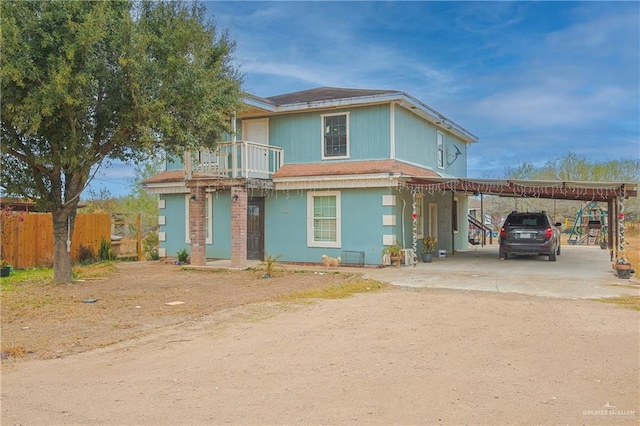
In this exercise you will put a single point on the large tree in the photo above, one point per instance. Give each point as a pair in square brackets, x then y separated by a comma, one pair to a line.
[85, 82]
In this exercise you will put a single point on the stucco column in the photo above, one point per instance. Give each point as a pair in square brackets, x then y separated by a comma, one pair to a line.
[197, 230]
[238, 227]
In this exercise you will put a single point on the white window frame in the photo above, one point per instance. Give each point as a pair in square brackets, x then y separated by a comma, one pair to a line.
[440, 149]
[322, 134]
[208, 218]
[310, 218]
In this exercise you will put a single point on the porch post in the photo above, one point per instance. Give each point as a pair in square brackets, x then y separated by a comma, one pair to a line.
[238, 227]
[197, 231]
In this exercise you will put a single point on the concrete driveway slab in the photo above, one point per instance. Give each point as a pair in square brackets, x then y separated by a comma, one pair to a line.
[581, 272]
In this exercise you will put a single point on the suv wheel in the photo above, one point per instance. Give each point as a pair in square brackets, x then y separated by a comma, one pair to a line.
[502, 254]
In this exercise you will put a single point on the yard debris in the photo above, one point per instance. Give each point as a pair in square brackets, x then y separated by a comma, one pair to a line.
[89, 300]
[177, 302]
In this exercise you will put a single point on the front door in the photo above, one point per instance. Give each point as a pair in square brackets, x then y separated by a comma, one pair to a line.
[255, 229]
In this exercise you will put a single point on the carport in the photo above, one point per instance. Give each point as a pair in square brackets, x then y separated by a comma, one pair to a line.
[613, 193]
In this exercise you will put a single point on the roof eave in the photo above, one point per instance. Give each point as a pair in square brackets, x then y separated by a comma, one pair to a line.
[403, 99]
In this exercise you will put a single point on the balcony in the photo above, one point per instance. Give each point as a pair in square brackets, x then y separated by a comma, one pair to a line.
[241, 159]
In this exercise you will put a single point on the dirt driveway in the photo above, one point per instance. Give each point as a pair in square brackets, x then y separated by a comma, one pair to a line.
[398, 356]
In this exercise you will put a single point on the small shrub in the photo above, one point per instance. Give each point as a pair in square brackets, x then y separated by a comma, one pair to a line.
[105, 252]
[270, 264]
[86, 255]
[183, 255]
[151, 244]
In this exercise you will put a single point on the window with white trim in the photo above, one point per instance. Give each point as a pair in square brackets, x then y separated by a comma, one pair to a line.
[323, 219]
[335, 135]
[440, 138]
[208, 218]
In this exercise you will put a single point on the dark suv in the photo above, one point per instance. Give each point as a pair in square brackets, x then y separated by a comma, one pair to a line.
[529, 234]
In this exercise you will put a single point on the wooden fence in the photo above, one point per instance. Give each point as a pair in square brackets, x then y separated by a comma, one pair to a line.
[27, 238]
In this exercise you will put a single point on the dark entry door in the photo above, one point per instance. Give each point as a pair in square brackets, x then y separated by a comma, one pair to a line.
[255, 229]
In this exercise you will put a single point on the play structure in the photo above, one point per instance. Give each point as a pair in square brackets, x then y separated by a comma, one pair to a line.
[590, 226]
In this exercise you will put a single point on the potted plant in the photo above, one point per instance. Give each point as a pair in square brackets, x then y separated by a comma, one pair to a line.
[622, 267]
[428, 247]
[5, 268]
[394, 252]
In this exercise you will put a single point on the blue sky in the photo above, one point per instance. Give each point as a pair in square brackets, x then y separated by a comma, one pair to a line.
[533, 80]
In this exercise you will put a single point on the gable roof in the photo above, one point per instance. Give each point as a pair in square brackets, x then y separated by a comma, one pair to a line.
[325, 94]
[335, 97]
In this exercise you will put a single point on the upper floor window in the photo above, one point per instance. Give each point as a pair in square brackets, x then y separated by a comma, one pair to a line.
[440, 150]
[335, 135]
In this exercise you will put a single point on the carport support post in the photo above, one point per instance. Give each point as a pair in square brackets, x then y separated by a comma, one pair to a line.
[612, 231]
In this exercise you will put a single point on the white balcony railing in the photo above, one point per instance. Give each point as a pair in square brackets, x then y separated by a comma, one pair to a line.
[244, 159]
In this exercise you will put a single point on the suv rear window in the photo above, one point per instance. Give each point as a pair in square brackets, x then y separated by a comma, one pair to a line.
[526, 220]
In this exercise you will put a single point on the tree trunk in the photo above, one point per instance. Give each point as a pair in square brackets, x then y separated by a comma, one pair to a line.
[64, 219]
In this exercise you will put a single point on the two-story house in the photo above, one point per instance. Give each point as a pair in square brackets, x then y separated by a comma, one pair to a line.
[321, 171]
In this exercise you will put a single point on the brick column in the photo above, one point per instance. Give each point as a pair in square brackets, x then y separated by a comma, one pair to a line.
[197, 230]
[238, 227]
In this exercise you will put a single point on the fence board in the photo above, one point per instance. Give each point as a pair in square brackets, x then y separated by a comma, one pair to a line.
[27, 238]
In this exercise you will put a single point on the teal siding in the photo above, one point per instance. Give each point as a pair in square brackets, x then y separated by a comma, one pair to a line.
[221, 247]
[415, 139]
[175, 225]
[362, 227]
[416, 142]
[173, 163]
[301, 134]
[286, 224]
[447, 239]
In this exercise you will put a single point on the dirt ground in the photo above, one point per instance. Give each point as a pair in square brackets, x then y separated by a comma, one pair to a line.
[47, 321]
[235, 353]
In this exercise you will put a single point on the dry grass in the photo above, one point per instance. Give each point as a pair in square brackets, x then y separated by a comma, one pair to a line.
[630, 302]
[632, 247]
[347, 289]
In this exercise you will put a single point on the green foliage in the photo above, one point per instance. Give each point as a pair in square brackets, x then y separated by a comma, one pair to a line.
[393, 250]
[570, 166]
[575, 167]
[87, 82]
[270, 264]
[86, 255]
[183, 255]
[150, 246]
[105, 252]
[428, 245]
